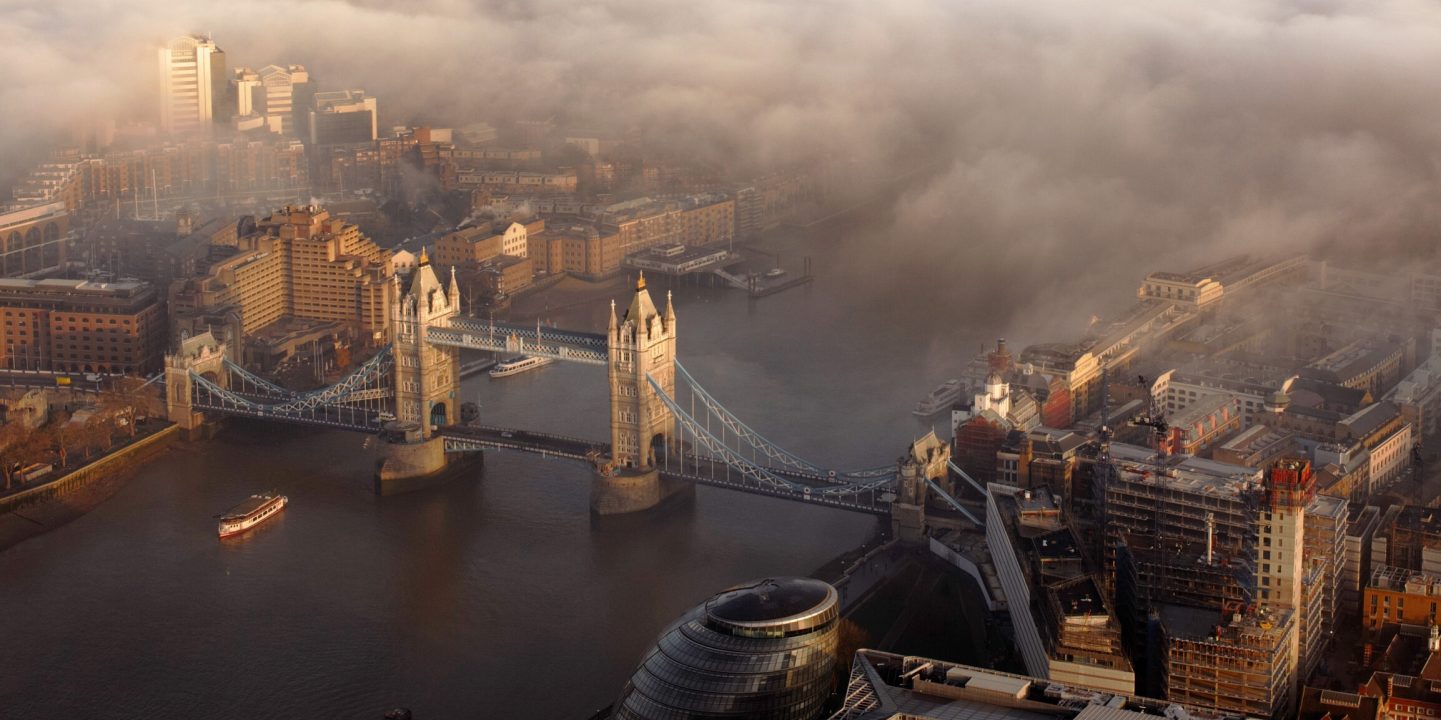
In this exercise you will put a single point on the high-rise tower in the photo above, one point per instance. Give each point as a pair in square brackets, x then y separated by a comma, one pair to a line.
[192, 83]
[642, 345]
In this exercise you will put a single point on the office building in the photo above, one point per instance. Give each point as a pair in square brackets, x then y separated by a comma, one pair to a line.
[341, 117]
[192, 84]
[81, 326]
[1400, 595]
[282, 91]
[299, 262]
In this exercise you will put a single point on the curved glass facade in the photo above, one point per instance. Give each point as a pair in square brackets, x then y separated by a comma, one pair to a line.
[760, 650]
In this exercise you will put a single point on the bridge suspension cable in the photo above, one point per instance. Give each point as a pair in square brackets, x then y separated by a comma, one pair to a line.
[718, 450]
[356, 401]
[248, 378]
[775, 455]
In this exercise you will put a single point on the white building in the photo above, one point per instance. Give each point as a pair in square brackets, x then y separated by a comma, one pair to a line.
[1419, 396]
[192, 81]
[278, 89]
[1192, 290]
[514, 240]
[1390, 457]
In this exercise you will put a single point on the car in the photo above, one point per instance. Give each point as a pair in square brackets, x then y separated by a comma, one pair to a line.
[92, 377]
[507, 434]
[385, 417]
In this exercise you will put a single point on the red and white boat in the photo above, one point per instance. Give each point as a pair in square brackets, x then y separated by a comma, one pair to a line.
[250, 513]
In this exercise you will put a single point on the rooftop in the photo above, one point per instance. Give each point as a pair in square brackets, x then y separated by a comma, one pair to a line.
[1204, 407]
[1210, 624]
[1185, 473]
[1371, 418]
[58, 286]
[773, 602]
[884, 686]
[1353, 359]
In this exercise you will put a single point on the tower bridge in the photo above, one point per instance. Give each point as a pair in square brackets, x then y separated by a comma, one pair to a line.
[666, 431]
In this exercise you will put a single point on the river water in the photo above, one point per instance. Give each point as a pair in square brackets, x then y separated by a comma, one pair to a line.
[493, 595]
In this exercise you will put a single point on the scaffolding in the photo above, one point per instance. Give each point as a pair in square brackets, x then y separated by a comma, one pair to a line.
[1192, 537]
[1241, 664]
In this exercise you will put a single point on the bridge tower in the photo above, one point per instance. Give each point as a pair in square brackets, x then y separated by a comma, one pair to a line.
[427, 377]
[642, 344]
[203, 355]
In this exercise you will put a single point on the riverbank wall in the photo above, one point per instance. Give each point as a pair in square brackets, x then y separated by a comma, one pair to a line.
[34, 511]
[119, 460]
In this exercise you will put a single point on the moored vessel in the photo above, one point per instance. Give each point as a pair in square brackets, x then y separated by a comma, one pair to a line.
[940, 398]
[515, 366]
[252, 512]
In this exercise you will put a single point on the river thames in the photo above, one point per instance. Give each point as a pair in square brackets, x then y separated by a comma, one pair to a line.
[493, 595]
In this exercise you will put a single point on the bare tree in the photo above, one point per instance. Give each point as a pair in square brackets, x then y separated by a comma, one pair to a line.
[59, 435]
[129, 399]
[95, 435]
[19, 446]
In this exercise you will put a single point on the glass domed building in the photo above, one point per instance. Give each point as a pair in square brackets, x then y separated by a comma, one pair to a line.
[765, 649]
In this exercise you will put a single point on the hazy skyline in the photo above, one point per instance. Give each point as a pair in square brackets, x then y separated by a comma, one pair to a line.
[1122, 133]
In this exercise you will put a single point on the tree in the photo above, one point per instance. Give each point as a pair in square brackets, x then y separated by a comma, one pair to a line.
[60, 436]
[94, 435]
[19, 446]
[127, 400]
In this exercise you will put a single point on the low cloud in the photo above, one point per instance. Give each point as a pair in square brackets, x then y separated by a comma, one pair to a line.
[1075, 145]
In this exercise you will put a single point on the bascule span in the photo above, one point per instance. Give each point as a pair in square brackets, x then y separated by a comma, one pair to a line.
[810, 487]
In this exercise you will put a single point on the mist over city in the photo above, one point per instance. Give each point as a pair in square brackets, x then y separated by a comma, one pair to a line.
[777, 359]
[1133, 132]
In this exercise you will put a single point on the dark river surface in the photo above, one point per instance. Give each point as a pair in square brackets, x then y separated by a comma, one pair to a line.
[495, 594]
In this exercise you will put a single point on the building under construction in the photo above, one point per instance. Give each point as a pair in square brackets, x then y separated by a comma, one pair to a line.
[1064, 626]
[1190, 526]
[1229, 573]
[1233, 660]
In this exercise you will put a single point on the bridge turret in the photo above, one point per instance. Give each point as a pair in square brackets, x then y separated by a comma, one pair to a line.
[201, 355]
[642, 346]
[426, 376]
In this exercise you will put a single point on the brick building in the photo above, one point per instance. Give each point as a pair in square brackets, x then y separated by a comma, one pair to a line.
[80, 326]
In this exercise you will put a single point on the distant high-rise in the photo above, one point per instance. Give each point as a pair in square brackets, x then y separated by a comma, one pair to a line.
[342, 116]
[192, 84]
[280, 88]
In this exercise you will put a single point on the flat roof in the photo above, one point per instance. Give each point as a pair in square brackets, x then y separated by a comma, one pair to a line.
[1185, 472]
[884, 686]
[117, 287]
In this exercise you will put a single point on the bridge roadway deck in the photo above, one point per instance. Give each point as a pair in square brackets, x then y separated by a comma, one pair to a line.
[702, 470]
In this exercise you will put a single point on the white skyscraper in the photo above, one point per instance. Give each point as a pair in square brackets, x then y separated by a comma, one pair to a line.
[192, 84]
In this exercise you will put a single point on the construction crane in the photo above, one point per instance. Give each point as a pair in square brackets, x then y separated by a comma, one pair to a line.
[1154, 418]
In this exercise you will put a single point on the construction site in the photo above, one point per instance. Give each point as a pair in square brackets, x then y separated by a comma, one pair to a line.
[1235, 659]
